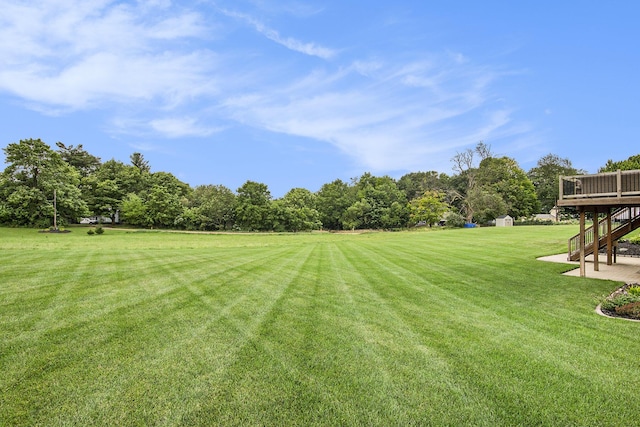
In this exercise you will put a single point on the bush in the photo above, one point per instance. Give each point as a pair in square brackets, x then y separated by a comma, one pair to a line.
[634, 290]
[631, 310]
[454, 219]
[624, 301]
[90, 232]
[610, 303]
[99, 230]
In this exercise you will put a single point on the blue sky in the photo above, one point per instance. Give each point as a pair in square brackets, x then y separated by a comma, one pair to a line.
[299, 93]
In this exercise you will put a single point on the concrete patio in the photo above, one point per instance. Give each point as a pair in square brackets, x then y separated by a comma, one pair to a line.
[625, 269]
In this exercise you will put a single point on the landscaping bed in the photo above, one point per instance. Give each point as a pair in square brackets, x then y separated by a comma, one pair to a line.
[623, 302]
[626, 249]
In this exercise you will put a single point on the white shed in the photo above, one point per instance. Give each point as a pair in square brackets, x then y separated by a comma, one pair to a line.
[504, 221]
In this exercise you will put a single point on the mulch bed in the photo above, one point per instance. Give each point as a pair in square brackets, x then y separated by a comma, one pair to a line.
[626, 249]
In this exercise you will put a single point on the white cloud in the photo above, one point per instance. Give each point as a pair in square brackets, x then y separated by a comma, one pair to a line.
[181, 127]
[156, 70]
[70, 55]
[388, 118]
[307, 48]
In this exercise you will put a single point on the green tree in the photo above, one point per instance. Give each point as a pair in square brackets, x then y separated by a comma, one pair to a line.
[429, 208]
[504, 177]
[464, 183]
[134, 211]
[332, 201]
[632, 163]
[33, 173]
[108, 186]
[415, 184]
[354, 216]
[380, 204]
[253, 207]
[138, 161]
[79, 158]
[211, 207]
[545, 175]
[296, 211]
[163, 207]
[487, 204]
[170, 183]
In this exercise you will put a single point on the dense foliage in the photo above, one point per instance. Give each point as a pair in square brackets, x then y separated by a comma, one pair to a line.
[631, 163]
[483, 187]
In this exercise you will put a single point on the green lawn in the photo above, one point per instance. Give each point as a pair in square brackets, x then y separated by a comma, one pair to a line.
[453, 327]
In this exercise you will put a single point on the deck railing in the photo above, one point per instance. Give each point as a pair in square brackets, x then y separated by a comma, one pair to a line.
[610, 184]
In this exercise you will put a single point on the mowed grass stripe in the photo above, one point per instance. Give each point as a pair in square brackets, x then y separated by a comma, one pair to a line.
[435, 328]
[503, 324]
[134, 312]
[408, 315]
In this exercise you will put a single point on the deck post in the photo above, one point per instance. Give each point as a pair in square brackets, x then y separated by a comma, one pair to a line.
[582, 266]
[560, 190]
[596, 239]
[609, 238]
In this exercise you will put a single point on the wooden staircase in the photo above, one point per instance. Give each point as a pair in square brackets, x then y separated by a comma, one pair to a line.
[623, 221]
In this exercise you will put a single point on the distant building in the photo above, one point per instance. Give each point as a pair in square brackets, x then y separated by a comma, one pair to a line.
[100, 219]
[504, 221]
[553, 215]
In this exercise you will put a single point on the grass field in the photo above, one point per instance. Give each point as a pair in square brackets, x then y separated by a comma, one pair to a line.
[453, 327]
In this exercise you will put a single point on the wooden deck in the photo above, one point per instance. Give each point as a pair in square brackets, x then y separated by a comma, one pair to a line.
[600, 194]
[613, 189]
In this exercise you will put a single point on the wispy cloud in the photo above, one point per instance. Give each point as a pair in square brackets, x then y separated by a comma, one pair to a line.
[388, 117]
[156, 69]
[307, 48]
[69, 55]
[182, 127]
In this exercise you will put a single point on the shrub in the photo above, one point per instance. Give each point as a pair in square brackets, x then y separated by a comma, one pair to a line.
[610, 303]
[634, 290]
[632, 310]
[90, 232]
[99, 230]
[454, 219]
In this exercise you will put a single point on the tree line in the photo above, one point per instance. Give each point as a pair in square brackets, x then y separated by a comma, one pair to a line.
[482, 187]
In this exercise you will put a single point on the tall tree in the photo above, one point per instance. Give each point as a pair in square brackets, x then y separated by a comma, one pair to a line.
[429, 208]
[545, 175]
[415, 184]
[487, 204]
[296, 211]
[138, 161]
[332, 201]
[163, 207]
[33, 173]
[109, 185]
[464, 184]
[168, 181]
[253, 208]
[504, 177]
[79, 158]
[380, 204]
[212, 207]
